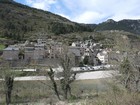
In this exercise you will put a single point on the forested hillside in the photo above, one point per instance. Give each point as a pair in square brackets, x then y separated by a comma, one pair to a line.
[20, 22]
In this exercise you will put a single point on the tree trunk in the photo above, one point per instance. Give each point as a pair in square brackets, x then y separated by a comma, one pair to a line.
[8, 89]
[51, 75]
[126, 84]
[137, 85]
[69, 90]
[65, 93]
[8, 97]
[56, 90]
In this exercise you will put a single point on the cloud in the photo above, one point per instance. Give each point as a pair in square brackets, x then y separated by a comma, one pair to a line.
[29, 1]
[63, 15]
[90, 11]
[41, 4]
[118, 17]
[88, 17]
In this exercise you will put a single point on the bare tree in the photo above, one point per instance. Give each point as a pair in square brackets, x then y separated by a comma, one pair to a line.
[130, 75]
[8, 80]
[51, 76]
[126, 73]
[67, 62]
[136, 65]
[66, 77]
[127, 60]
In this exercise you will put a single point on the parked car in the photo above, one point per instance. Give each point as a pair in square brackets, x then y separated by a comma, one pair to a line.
[90, 68]
[81, 68]
[85, 68]
[97, 67]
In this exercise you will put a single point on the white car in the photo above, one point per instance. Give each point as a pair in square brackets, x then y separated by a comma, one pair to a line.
[97, 67]
[85, 68]
[90, 68]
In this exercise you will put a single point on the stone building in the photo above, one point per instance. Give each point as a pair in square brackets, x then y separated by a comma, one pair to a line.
[11, 53]
[34, 53]
[54, 49]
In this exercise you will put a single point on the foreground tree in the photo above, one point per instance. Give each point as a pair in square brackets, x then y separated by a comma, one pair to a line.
[66, 76]
[130, 75]
[126, 73]
[8, 80]
[55, 87]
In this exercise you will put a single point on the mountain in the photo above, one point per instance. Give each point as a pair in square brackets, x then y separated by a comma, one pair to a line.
[20, 22]
[127, 25]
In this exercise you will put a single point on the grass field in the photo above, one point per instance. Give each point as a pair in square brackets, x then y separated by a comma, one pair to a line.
[32, 91]
[86, 92]
[89, 86]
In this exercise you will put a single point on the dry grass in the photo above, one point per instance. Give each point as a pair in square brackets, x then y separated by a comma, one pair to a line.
[110, 99]
[115, 94]
[32, 91]
[92, 87]
[86, 92]
[26, 91]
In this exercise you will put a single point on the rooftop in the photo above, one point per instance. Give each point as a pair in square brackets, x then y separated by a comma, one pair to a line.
[11, 49]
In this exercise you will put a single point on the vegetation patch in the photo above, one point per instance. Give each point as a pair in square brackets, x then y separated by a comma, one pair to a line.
[2, 46]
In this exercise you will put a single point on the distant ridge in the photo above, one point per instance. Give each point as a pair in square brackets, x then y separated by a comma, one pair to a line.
[128, 25]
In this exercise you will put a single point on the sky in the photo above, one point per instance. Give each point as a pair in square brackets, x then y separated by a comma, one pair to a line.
[89, 11]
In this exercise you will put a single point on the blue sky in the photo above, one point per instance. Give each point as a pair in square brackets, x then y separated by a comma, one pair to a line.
[89, 11]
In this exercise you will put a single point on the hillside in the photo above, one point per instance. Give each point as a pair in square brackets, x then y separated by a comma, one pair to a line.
[20, 22]
[132, 26]
[118, 40]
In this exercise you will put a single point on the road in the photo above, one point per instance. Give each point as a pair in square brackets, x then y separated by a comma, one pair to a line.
[79, 76]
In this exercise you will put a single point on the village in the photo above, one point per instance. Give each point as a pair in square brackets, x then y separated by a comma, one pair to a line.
[46, 52]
